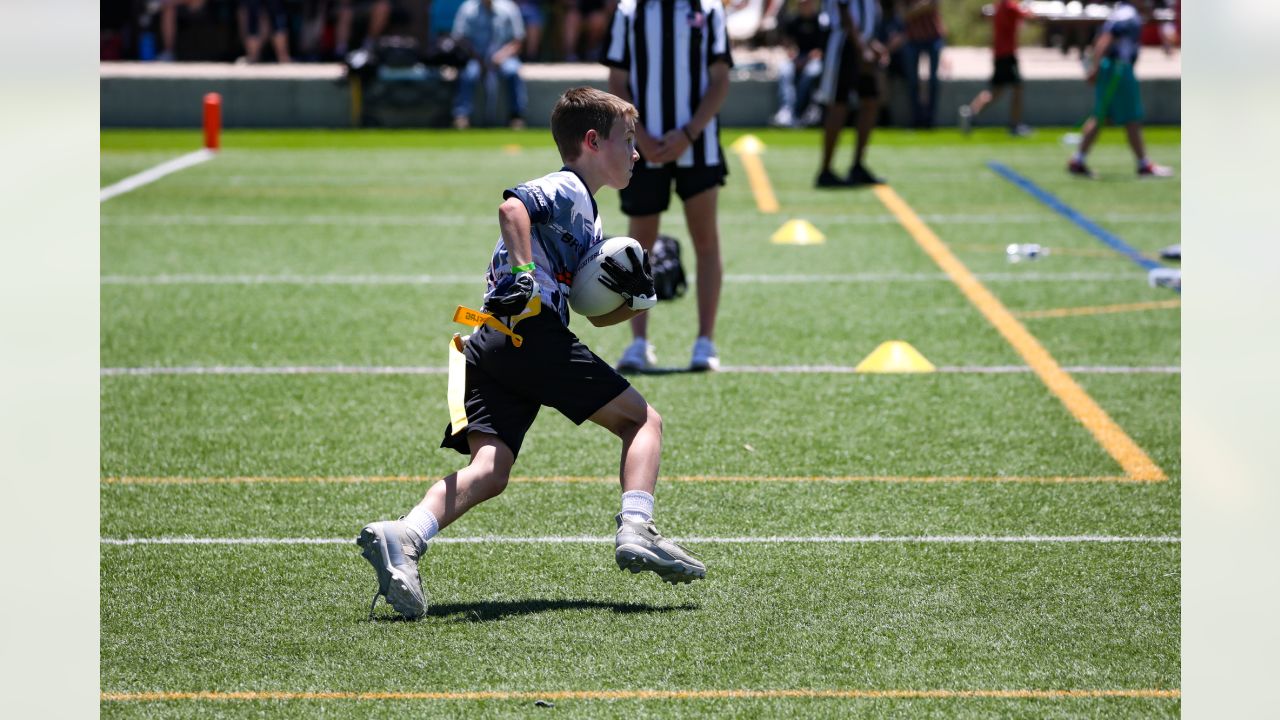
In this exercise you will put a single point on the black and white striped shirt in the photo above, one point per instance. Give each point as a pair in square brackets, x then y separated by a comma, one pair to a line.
[667, 46]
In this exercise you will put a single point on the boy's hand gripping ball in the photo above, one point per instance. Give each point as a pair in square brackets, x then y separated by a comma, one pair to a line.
[614, 272]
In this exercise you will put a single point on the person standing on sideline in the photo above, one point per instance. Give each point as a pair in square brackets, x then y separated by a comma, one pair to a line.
[926, 35]
[852, 62]
[1116, 95]
[547, 226]
[671, 59]
[1004, 44]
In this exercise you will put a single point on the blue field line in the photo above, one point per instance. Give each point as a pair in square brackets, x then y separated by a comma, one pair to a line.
[1071, 214]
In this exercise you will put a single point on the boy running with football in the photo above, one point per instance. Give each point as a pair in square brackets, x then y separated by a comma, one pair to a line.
[547, 226]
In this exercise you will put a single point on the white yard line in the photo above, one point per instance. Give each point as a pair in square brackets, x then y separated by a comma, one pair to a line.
[732, 369]
[477, 278]
[134, 182]
[591, 539]
[427, 221]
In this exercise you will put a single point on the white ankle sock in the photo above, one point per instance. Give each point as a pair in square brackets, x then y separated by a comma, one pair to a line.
[1079, 157]
[423, 522]
[637, 506]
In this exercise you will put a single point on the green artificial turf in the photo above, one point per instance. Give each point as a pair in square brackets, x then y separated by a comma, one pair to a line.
[319, 249]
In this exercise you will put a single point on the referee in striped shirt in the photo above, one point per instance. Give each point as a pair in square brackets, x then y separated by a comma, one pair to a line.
[852, 62]
[670, 58]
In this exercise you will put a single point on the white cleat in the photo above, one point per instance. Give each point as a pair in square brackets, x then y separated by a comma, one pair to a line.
[388, 547]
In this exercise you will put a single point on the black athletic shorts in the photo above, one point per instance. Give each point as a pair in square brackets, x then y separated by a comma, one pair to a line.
[857, 75]
[1006, 72]
[507, 385]
[649, 191]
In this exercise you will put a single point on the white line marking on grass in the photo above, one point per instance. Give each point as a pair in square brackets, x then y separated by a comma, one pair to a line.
[476, 279]
[770, 540]
[133, 182]
[424, 221]
[730, 369]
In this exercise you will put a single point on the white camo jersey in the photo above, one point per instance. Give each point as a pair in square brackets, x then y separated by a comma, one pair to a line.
[565, 223]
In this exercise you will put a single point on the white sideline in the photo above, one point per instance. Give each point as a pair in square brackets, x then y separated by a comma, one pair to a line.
[134, 182]
[732, 369]
[591, 539]
[476, 279]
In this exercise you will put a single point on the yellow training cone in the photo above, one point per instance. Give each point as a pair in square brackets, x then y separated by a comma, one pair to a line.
[895, 356]
[798, 232]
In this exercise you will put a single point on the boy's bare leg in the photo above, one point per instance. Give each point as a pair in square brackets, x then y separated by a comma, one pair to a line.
[638, 546]
[700, 218]
[484, 478]
[644, 228]
[1015, 106]
[639, 427]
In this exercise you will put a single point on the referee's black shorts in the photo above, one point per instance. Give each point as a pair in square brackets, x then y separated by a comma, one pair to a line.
[649, 192]
[1006, 71]
[855, 74]
[507, 385]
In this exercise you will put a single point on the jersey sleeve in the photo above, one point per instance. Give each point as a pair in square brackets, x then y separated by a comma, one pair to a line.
[719, 51]
[617, 53]
[535, 201]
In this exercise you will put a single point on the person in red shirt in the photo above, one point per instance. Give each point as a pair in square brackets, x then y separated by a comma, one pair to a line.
[1009, 14]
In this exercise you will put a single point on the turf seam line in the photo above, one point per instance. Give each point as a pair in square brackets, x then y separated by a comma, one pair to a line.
[1108, 434]
[150, 175]
[768, 540]
[1070, 213]
[566, 479]
[742, 694]
[729, 369]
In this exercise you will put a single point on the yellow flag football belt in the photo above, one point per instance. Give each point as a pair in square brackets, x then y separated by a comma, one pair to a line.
[458, 361]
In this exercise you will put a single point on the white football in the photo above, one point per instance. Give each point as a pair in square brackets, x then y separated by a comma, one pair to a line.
[588, 296]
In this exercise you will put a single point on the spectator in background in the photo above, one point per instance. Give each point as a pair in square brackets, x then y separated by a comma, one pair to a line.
[492, 31]
[169, 25]
[256, 21]
[531, 14]
[1004, 45]
[1116, 95]
[379, 17]
[852, 62]
[804, 32]
[925, 36]
[591, 16]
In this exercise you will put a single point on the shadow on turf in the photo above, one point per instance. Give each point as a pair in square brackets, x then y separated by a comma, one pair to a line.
[661, 371]
[498, 610]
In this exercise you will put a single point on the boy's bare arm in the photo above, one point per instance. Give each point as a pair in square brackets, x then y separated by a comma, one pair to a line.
[1099, 51]
[621, 314]
[513, 222]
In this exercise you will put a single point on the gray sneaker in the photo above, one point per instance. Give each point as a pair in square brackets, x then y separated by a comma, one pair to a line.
[639, 546]
[388, 546]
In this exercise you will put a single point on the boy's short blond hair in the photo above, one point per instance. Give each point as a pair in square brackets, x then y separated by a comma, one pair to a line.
[581, 109]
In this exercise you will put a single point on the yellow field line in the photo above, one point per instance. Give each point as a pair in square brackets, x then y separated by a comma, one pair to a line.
[758, 179]
[1100, 309]
[1109, 435]
[352, 479]
[1151, 693]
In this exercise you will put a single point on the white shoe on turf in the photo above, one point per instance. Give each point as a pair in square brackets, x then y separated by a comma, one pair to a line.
[705, 356]
[639, 355]
[390, 548]
[639, 546]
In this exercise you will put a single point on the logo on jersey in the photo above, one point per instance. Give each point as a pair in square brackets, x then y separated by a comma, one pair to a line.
[696, 19]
